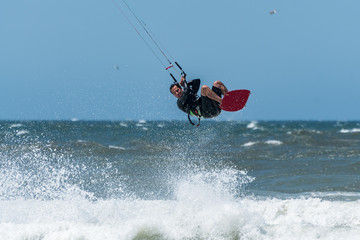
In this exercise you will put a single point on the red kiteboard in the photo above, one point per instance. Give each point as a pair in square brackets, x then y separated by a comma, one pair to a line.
[235, 100]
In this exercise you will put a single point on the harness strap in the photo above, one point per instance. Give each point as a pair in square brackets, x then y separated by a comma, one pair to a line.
[195, 114]
[192, 122]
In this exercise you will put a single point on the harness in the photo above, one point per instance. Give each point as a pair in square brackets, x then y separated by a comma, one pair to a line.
[197, 114]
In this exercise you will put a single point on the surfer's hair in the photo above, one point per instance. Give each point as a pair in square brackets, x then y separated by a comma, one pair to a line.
[174, 84]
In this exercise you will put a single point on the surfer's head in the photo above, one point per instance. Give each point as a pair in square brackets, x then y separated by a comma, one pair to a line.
[176, 90]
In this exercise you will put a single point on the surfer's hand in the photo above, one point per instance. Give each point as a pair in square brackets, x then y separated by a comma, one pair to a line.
[182, 80]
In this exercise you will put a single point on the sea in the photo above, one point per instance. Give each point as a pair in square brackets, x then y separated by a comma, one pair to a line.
[133, 180]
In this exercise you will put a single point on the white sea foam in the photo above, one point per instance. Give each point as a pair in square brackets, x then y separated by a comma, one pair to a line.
[273, 142]
[21, 132]
[16, 125]
[199, 212]
[336, 195]
[123, 124]
[354, 130]
[204, 206]
[252, 125]
[249, 144]
[117, 147]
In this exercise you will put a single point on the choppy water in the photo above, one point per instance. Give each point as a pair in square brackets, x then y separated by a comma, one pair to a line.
[170, 180]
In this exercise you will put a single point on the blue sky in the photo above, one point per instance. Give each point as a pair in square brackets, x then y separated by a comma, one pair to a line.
[57, 58]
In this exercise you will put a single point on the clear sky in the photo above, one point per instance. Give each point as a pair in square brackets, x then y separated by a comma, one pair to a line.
[57, 58]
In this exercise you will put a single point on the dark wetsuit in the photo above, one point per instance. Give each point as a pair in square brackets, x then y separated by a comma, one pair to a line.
[198, 106]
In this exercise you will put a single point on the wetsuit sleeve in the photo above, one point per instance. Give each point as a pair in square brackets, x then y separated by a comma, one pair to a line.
[194, 86]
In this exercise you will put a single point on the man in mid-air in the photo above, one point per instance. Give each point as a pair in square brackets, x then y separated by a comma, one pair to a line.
[207, 105]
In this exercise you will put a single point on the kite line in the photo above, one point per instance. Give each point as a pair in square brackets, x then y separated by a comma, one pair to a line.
[148, 38]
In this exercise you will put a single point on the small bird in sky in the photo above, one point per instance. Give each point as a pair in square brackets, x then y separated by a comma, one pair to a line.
[272, 12]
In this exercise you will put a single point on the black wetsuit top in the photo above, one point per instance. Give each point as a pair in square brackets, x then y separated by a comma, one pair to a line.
[189, 101]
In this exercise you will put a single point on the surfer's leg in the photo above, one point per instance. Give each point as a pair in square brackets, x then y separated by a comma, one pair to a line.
[220, 85]
[209, 107]
[207, 92]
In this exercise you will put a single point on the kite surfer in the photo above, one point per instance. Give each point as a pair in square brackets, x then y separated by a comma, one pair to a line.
[205, 106]
[211, 101]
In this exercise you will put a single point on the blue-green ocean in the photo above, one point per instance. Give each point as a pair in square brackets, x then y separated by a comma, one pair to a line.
[100, 180]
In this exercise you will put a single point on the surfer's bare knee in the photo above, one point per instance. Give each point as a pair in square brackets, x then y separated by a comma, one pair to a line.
[221, 86]
[204, 90]
[218, 84]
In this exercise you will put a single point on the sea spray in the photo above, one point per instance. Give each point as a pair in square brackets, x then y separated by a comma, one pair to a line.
[40, 173]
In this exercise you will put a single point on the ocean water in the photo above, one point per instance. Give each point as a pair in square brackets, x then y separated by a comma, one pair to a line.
[79, 180]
